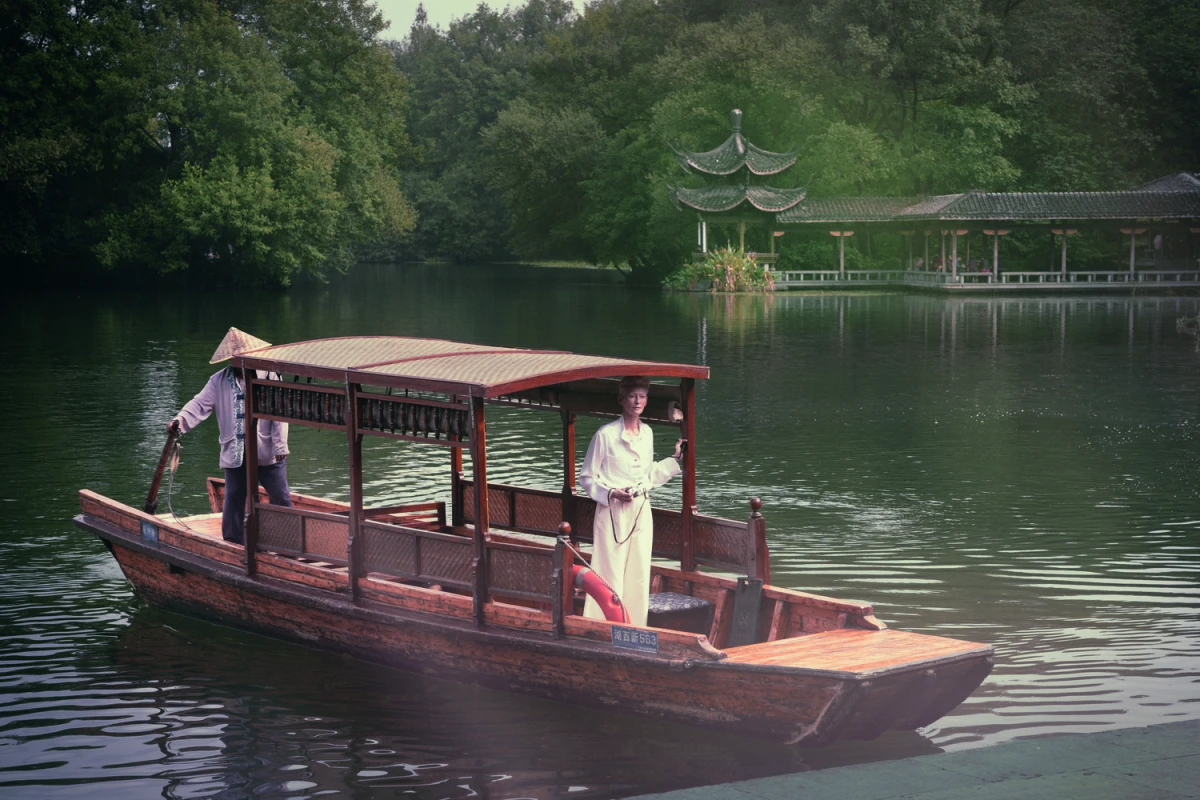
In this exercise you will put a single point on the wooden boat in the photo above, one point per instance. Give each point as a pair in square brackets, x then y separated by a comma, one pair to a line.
[481, 591]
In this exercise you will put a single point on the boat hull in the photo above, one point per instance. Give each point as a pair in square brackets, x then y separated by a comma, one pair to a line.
[805, 706]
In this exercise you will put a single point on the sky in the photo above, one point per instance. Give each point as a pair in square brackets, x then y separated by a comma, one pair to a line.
[440, 12]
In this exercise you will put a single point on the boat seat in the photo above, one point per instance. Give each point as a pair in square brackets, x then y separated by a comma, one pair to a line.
[679, 612]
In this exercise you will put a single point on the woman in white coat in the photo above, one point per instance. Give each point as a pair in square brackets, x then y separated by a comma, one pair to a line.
[618, 472]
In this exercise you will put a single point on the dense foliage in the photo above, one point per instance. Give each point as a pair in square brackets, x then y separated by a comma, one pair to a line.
[546, 133]
[257, 140]
[252, 140]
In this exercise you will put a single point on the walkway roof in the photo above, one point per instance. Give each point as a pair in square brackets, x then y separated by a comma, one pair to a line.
[1171, 197]
[439, 365]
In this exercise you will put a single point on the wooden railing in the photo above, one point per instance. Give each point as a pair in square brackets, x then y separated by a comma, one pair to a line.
[724, 544]
[317, 535]
[415, 554]
[423, 554]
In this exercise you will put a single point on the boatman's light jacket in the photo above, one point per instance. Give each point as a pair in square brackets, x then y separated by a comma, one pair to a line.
[218, 395]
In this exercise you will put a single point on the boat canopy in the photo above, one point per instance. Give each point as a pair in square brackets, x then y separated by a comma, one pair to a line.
[439, 365]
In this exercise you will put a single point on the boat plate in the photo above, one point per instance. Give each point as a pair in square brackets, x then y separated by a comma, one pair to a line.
[634, 639]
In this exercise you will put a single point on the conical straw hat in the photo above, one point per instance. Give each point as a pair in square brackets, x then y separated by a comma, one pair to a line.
[236, 342]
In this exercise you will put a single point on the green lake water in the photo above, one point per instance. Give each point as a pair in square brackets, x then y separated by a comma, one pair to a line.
[1019, 471]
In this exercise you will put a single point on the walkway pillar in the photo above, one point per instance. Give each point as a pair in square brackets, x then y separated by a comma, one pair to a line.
[995, 255]
[841, 237]
[954, 255]
[1133, 234]
[1064, 232]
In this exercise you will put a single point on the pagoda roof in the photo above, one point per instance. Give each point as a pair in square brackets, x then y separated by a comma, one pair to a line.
[713, 199]
[736, 152]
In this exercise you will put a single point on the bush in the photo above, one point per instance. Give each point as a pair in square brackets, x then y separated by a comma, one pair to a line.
[723, 270]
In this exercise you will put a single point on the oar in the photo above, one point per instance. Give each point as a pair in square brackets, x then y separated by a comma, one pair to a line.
[151, 504]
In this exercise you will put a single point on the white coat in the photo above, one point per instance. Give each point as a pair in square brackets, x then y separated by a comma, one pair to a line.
[623, 533]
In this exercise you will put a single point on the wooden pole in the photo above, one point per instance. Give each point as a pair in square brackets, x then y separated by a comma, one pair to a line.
[151, 504]
[479, 468]
[927, 265]
[1064, 254]
[456, 487]
[1132, 251]
[758, 532]
[354, 441]
[841, 256]
[568, 490]
[742, 236]
[250, 459]
[687, 391]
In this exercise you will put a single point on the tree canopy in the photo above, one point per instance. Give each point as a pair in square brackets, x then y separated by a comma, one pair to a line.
[253, 140]
[258, 140]
[565, 126]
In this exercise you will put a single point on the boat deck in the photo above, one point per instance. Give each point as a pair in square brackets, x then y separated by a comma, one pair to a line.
[851, 650]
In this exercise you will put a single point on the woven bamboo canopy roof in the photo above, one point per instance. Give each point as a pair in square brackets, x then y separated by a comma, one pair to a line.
[440, 365]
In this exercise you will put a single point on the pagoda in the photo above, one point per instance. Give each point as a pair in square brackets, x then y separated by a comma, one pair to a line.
[735, 196]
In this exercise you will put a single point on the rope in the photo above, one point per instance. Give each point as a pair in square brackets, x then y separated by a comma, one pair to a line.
[172, 466]
[639, 492]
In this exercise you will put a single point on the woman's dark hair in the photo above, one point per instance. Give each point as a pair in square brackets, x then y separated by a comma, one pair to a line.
[631, 382]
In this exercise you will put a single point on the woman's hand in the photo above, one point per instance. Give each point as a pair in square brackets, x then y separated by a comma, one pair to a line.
[620, 495]
[679, 449]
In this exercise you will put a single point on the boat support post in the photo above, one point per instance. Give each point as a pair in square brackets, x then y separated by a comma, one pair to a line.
[250, 456]
[687, 390]
[479, 468]
[354, 440]
[568, 491]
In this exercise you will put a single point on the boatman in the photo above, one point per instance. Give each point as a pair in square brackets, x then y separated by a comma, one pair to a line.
[618, 472]
[225, 393]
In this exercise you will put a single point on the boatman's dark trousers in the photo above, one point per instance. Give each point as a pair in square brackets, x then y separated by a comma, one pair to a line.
[233, 515]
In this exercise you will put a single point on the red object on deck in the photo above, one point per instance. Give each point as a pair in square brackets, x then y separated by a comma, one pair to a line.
[606, 598]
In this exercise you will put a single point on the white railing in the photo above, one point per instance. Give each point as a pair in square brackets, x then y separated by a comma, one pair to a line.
[806, 277]
[1168, 276]
[834, 276]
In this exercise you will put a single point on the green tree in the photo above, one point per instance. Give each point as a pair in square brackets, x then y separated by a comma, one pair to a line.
[461, 80]
[255, 140]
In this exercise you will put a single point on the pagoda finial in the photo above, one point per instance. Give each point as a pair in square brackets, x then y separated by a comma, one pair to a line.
[735, 119]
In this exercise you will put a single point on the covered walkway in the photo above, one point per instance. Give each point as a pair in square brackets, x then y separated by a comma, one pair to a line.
[1160, 219]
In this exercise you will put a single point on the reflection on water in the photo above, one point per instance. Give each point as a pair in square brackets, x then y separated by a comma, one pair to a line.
[1018, 471]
